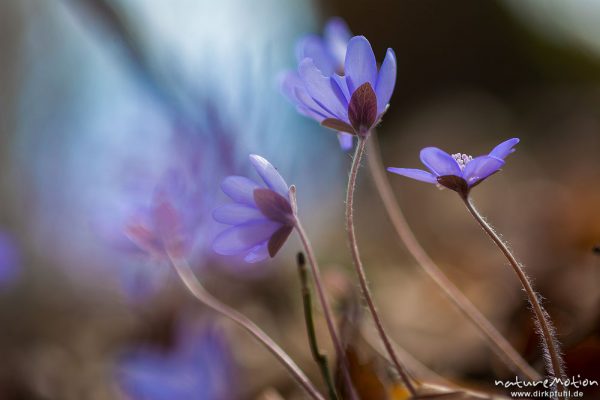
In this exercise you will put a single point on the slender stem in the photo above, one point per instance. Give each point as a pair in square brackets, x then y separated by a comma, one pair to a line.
[417, 367]
[362, 279]
[324, 303]
[319, 357]
[554, 362]
[195, 287]
[497, 342]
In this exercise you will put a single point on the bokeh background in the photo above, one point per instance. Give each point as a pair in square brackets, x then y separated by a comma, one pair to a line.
[103, 101]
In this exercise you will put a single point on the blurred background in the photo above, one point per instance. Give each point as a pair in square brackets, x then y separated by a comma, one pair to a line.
[105, 103]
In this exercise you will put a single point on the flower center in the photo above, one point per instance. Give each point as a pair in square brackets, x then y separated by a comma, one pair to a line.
[462, 159]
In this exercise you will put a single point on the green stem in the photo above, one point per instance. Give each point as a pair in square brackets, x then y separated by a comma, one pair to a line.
[319, 357]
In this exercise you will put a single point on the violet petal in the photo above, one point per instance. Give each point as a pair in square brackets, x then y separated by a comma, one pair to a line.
[258, 253]
[480, 168]
[360, 64]
[269, 174]
[313, 47]
[240, 238]
[320, 89]
[440, 162]
[386, 80]
[504, 149]
[337, 35]
[240, 189]
[346, 140]
[233, 214]
[418, 174]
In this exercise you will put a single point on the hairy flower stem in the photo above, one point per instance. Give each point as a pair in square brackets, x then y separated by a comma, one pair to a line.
[195, 287]
[337, 344]
[497, 342]
[362, 278]
[554, 362]
[319, 357]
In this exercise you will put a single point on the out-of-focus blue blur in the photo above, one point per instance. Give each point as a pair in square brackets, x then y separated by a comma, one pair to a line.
[117, 93]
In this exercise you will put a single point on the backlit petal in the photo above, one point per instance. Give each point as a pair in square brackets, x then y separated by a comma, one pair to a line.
[337, 34]
[313, 47]
[439, 162]
[386, 80]
[269, 175]
[320, 88]
[346, 140]
[258, 253]
[480, 168]
[418, 174]
[240, 189]
[235, 214]
[240, 238]
[360, 64]
[504, 148]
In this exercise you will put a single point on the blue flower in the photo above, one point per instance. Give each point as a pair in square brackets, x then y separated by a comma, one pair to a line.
[262, 217]
[200, 366]
[459, 172]
[351, 99]
[329, 51]
[10, 259]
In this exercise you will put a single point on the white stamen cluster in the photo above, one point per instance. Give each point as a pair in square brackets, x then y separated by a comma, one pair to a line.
[462, 159]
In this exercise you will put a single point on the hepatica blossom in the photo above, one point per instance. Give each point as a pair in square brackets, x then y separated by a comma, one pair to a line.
[349, 98]
[262, 217]
[459, 172]
[9, 259]
[328, 52]
[199, 367]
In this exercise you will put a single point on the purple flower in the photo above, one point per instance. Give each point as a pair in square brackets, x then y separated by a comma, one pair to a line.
[9, 259]
[459, 172]
[199, 367]
[328, 53]
[351, 99]
[262, 217]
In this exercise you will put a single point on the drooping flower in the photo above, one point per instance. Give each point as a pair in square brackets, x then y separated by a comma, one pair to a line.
[262, 217]
[199, 367]
[350, 100]
[459, 172]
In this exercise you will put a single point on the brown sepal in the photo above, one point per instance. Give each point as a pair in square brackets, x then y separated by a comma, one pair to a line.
[337, 125]
[455, 183]
[278, 239]
[362, 109]
[274, 206]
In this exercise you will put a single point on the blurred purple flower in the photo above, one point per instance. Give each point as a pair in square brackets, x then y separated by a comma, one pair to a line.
[328, 53]
[162, 215]
[262, 218]
[199, 367]
[459, 172]
[352, 99]
[9, 259]
[161, 230]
